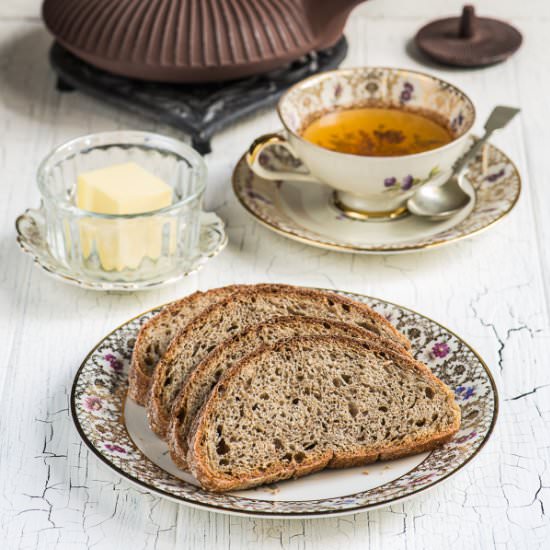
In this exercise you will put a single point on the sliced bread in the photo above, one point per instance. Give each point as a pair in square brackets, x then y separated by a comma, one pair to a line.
[228, 317]
[314, 402]
[203, 378]
[155, 335]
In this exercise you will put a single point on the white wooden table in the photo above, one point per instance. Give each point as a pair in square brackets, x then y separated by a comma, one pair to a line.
[493, 290]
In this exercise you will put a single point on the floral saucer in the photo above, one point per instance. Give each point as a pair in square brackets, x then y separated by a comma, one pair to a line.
[115, 430]
[306, 212]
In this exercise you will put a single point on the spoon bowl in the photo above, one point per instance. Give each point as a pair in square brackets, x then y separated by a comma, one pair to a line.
[437, 202]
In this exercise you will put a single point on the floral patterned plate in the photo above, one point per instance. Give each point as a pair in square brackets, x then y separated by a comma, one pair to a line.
[115, 429]
[306, 212]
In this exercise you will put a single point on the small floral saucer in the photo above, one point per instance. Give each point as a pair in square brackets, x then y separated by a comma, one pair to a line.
[115, 430]
[306, 212]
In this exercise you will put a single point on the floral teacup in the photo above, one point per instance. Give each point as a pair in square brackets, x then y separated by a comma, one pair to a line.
[367, 187]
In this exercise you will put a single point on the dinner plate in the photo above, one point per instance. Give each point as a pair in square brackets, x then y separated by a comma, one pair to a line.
[306, 212]
[115, 430]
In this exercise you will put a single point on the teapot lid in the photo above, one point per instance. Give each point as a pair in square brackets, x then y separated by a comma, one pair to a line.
[468, 40]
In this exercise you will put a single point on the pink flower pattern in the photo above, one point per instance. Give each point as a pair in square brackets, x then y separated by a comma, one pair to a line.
[114, 362]
[92, 403]
[114, 448]
[440, 349]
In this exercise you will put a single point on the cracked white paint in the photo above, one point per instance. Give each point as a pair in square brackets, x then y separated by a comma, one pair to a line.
[492, 290]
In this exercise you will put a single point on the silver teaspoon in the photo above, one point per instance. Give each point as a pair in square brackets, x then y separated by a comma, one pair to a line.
[437, 202]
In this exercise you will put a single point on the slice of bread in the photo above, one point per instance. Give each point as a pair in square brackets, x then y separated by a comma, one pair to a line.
[317, 402]
[203, 378]
[228, 317]
[155, 335]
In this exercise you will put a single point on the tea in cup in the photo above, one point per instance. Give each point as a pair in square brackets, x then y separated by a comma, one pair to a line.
[375, 135]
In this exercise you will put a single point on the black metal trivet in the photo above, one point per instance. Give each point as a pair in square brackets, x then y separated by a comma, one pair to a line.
[200, 110]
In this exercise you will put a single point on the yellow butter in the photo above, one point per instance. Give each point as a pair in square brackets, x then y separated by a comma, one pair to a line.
[124, 189]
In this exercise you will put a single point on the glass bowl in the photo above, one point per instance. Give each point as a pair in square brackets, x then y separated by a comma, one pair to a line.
[121, 252]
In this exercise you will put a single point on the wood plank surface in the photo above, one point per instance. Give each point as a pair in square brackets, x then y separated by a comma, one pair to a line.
[493, 290]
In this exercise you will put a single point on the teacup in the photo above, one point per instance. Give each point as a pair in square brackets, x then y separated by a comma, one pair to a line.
[367, 187]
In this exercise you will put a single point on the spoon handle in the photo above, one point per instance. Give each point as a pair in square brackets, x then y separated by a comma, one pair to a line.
[499, 118]
[471, 153]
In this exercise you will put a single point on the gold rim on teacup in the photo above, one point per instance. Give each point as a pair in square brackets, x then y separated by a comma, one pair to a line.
[366, 187]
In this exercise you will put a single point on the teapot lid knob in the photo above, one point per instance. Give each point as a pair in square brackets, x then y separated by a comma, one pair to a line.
[468, 40]
[468, 22]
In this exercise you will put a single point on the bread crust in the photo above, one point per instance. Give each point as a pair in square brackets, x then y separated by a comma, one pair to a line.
[197, 454]
[180, 422]
[159, 417]
[139, 380]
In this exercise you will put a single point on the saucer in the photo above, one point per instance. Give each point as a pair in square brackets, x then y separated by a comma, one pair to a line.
[32, 240]
[306, 212]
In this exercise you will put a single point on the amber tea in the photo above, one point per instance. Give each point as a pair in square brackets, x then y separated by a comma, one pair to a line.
[377, 132]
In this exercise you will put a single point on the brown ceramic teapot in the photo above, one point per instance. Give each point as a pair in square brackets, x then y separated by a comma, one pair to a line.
[194, 40]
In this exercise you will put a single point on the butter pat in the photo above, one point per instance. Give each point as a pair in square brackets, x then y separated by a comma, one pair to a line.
[123, 189]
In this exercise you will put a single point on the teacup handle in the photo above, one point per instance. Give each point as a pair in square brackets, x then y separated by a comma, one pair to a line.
[269, 140]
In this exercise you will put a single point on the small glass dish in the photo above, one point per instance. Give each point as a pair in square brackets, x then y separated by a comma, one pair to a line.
[158, 247]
